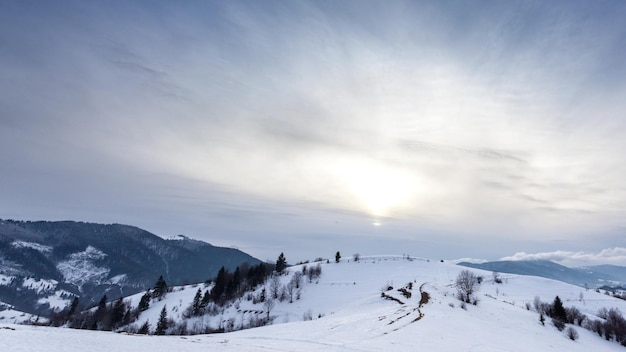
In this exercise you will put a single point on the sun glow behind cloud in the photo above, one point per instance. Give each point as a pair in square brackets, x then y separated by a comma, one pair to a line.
[439, 141]
[494, 118]
[379, 189]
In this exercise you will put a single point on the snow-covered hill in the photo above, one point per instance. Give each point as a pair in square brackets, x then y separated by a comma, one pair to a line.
[349, 314]
[9, 315]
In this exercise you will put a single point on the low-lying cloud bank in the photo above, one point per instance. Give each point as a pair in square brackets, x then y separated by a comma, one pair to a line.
[615, 256]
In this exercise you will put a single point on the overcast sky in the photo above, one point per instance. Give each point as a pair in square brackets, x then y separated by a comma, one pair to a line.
[441, 129]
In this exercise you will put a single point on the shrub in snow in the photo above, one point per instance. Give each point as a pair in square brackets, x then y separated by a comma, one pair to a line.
[559, 324]
[405, 292]
[574, 316]
[308, 315]
[496, 277]
[466, 284]
[571, 333]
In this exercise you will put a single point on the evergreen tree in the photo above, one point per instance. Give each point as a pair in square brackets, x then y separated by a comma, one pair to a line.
[256, 275]
[102, 305]
[162, 323]
[144, 303]
[233, 284]
[160, 288]
[128, 316]
[73, 307]
[558, 311]
[117, 314]
[220, 285]
[94, 321]
[281, 263]
[337, 257]
[205, 300]
[144, 329]
[195, 305]
[100, 312]
[251, 277]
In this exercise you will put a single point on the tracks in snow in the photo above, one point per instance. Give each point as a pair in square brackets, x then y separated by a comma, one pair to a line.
[405, 311]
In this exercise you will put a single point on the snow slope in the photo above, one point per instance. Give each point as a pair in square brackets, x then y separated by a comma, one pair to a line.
[8, 315]
[354, 317]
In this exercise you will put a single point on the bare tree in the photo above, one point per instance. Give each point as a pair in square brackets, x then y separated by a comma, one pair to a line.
[275, 287]
[268, 305]
[291, 289]
[537, 304]
[297, 278]
[314, 273]
[466, 285]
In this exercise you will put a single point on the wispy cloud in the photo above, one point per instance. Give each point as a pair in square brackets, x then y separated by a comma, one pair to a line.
[501, 118]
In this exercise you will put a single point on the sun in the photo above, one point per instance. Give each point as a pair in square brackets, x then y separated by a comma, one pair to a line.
[379, 189]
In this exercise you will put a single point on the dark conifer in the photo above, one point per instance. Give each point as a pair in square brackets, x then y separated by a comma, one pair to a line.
[162, 323]
[144, 329]
[117, 314]
[558, 311]
[281, 263]
[160, 288]
[220, 285]
[144, 303]
[233, 284]
[73, 307]
[205, 300]
[195, 305]
[102, 308]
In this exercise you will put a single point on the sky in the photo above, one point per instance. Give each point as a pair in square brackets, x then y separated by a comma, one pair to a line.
[440, 129]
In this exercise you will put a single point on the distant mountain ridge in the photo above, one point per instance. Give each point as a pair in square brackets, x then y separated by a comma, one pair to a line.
[591, 276]
[45, 264]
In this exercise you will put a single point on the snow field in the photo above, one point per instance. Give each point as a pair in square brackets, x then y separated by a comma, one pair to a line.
[356, 318]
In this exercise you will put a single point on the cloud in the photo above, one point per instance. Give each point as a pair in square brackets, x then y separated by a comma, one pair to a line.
[616, 255]
[468, 260]
[491, 118]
